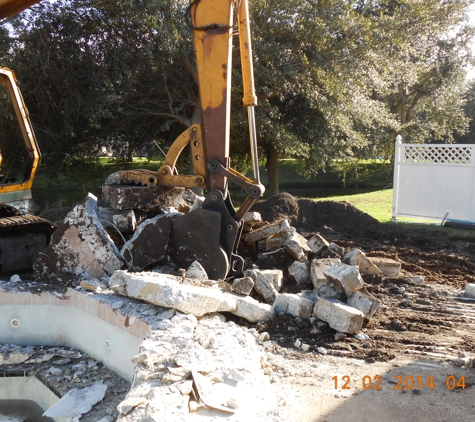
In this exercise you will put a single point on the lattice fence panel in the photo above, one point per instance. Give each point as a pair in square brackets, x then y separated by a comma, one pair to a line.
[438, 154]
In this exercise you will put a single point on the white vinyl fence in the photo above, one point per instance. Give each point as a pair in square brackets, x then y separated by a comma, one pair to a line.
[433, 180]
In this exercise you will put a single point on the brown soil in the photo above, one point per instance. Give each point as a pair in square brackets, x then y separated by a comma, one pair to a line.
[428, 318]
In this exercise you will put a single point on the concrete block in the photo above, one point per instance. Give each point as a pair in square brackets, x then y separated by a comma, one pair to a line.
[196, 271]
[339, 316]
[293, 304]
[149, 243]
[318, 266]
[357, 258]
[243, 285]
[276, 276]
[345, 276]
[252, 310]
[124, 221]
[336, 248]
[277, 227]
[262, 285]
[470, 290]
[274, 242]
[364, 302]
[125, 197]
[80, 247]
[296, 245]
[169, 291]
[251, 219]
[317, 243]
[389, 267]
[299, 272]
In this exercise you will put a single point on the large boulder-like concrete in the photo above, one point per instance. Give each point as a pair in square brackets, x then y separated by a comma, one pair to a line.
[79, 248]
[345, 276]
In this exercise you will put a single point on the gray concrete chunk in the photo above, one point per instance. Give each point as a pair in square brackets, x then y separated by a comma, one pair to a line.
[262, 285]
[149, 243]
[293, 304]
[124, 221]
[364, 302]
[317, 243]
[389, 267]
[345, 276]
[196, 271]
[252, 310]
[296, 245]
[357, 258]
[276, 276]
[318, 266]
[243, 285]
[272, 229]
[299, 272]
[339, 316]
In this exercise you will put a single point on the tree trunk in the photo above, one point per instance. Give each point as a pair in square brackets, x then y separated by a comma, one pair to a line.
[272, 167]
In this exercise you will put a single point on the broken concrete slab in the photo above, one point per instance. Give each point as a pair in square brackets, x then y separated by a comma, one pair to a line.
[171, 292]
[357, 258]
[253, 310]
[77, 401]
[149, 243]
[345, 276]
[196, 271]
[271, 243]
[299, 272]
[276, 276]
[252, 218]
[336, 248]
[275, 228]
[389, 267]
[296, 245]
[293, 304]
[262, 285]
[318, 267]
[123, 221]
[243, 285]
[80, 247]
[364, 302]
[338, 315]
[317, 244]
[125, 197]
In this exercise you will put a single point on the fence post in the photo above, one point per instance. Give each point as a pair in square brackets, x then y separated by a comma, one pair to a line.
[397, 157]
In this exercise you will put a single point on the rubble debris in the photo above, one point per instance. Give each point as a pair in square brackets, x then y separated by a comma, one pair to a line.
[470, 290]
[336, 248]
[418, 279]
[130, 403]
[127, 197]
[15, 278]
[357, 258]
[93, 284]
[169, 291]
[345, 276]
[243, 285]
[276, 276]
[317, 244]
[124, 221]
[389, 267]
[252, 310]
[293, 304]
[149, 243]
[77, 401]
[251, 219]
[271, 243]
[11, 355]
[299, 272]
[338, 315]
[318, 267]
[364, 302]
[80, 247]
[237, 376]
[196, 271]
[262, 285]
[275, 228]
[296, 245]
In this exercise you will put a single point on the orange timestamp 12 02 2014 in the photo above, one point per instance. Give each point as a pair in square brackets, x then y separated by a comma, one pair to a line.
[400, 382]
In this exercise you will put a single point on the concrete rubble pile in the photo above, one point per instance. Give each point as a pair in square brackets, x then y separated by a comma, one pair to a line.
[116, 240]
[199, 369]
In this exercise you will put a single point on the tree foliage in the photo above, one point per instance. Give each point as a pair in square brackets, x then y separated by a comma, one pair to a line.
[335, 79]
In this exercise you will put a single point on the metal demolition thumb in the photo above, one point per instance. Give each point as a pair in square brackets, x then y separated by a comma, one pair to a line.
[250, 98]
